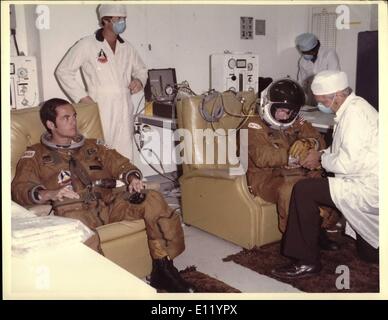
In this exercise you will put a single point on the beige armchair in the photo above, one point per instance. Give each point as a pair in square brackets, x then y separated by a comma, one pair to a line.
[124, 243]
[213, 199]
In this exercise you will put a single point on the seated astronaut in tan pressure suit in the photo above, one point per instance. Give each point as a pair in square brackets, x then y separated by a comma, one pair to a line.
[278, 138]
[77, 176]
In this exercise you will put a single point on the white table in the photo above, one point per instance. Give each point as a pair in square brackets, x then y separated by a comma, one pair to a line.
[320, 120]
[73, 272]
[66, 272]
[156, 121]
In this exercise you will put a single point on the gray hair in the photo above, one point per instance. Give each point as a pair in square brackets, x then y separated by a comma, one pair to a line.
[346, 92]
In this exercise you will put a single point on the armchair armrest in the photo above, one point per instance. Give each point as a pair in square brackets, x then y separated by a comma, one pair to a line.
[211, 173]
[117, 230]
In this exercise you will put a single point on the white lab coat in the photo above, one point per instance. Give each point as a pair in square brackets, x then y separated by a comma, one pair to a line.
[327, 59]
[107, 83]
[354, 159]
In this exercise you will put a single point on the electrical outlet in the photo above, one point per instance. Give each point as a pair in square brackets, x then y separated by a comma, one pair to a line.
[246, 27]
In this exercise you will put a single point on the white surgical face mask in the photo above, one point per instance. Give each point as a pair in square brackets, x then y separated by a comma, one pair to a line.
[325, 109]
[119, 26]
[308, 57]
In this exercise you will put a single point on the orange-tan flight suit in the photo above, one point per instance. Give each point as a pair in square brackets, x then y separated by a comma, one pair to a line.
[267, 158]
[44, 166]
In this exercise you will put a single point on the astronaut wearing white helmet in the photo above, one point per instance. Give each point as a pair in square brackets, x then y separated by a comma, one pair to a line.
[281, 103]
[353, 158]
[271, 135]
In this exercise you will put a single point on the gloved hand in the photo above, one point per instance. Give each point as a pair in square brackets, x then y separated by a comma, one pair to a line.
[137, 198]
[300, 148]
[292, 162]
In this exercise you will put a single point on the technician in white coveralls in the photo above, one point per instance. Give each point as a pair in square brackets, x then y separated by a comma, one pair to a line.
[354, 189]
[314, 59]
[113, 71]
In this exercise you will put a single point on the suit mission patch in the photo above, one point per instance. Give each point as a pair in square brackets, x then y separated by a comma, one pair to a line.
[64, 177]
[254, 125]
[28, 154]
[102, 58]
[91, 151]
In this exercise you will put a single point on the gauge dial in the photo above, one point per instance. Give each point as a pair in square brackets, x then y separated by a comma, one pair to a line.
[22, 72]
[169, 90]
[232, 63]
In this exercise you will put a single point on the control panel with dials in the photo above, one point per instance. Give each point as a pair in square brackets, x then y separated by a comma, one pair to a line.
[234, 71]
[23, 82]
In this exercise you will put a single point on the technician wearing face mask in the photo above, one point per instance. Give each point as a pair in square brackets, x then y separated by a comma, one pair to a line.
[113, 71]
[313, 60]
[273, 136]
[354, 188]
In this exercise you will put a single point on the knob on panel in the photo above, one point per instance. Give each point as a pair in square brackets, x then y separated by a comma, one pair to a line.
[169, 90]
[22, 72]
[232, 63]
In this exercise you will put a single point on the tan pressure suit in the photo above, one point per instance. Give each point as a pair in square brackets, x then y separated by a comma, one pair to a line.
[44, 166]
[267, 158]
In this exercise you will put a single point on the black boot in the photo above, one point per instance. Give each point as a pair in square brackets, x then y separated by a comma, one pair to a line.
[165, 276]
[325, 243]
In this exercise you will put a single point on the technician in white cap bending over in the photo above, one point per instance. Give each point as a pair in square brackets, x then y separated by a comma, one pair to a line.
[314, 59]
[113, 71]
[354, 189]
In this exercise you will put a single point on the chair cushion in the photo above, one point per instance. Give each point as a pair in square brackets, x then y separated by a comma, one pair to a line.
[120, 229]
[262, 202]
[26, 128]
[189, 118]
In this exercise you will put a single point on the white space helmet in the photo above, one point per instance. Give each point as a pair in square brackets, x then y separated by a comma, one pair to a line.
[283, 93]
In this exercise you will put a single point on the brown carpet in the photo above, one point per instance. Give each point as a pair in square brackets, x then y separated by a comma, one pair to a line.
[363, 277]
[203, 283]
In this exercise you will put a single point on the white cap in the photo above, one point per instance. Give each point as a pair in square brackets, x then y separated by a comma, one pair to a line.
[329, 81]
[112, 10]
[306, 41]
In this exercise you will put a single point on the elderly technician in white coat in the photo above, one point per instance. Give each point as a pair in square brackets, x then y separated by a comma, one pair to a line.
[354, 188]
[314, 59]
[113, 70]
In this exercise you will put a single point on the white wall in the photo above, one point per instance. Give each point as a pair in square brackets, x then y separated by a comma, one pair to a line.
[33, 44]
[68, 23]
[21, 33]
[374, 18]
[360, 17]
[183, 37]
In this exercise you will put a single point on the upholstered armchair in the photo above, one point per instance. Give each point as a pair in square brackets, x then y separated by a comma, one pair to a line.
[214, 198]
[125, 243]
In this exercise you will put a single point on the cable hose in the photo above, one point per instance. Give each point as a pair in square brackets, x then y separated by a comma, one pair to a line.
[15, 42]
[163, 174]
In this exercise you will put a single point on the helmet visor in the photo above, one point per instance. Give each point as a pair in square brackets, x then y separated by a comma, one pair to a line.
[293, 111]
